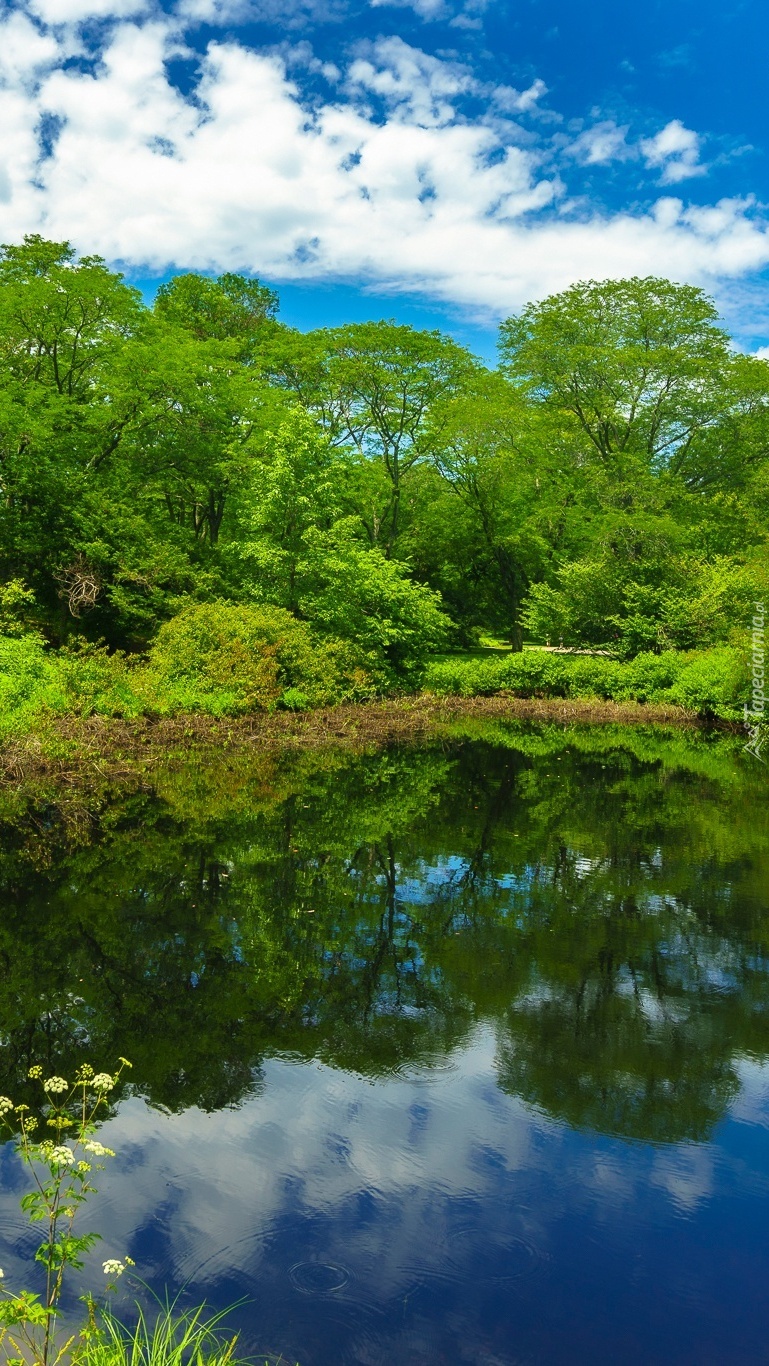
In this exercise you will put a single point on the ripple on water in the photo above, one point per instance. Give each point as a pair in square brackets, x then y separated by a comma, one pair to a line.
[424, 1071]
[318, 1278]
[236, 1256]
[517, 1259]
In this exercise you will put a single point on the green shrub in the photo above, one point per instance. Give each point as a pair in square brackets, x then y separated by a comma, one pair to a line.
[711, 682]
[226, 658]
[647, 677]
[96, 682]
[30, 682]
[714, 683]
[17, 604]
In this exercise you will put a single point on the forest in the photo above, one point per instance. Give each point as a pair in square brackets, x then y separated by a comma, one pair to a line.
[202, 508]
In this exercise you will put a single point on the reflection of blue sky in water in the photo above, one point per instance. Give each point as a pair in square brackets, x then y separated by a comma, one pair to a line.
[458, 1225]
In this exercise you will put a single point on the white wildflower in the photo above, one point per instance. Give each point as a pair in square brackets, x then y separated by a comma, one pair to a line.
[113, 1267]
[61, 1156]
[2, 1273]
[5, 1105]
[56, 1084]
[98, 1149]
[103, 1082]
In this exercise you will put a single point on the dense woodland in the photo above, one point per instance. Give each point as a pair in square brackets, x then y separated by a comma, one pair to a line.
[324, 511]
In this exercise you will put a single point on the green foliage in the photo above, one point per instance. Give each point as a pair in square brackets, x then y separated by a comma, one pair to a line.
[60, 1163]
[174, 1337]
[681, 602]
[607, 486]
[645, 373]
[16, 605]
[711, 683]
[30, 683]
[228, 659]
[300, 551]
[372, 387]
[230, 308]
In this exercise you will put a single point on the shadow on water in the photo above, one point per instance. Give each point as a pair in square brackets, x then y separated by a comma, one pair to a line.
[565, 932]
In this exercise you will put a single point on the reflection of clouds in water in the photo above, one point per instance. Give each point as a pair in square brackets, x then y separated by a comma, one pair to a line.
[686, 1174]
[751, 1105]
[434, 1192]
[320, 1140]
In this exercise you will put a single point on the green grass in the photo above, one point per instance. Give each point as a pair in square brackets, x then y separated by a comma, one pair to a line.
[173, 1338]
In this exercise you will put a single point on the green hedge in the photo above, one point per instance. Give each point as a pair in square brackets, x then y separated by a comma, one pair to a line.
[228, 660]
[709, 682]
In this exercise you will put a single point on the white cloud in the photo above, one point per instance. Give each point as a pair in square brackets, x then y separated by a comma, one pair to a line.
[518, 101]
[56, 12]
[433, 10]
[426, 9]
[288, 14]
[24, 50]
[602, 143]
[676, 151]
[416, 87]
[425, 191]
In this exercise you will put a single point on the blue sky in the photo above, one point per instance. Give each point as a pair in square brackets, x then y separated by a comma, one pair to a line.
[437, 161]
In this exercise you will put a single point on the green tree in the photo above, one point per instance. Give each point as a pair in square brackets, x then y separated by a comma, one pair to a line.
[503, 464]
[667, 428]
[296, 548]
[645, 371]
[372, 387]
[231, 307]
[121, 442]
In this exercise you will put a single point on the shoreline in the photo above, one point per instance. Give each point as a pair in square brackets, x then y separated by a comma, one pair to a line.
[68, 744]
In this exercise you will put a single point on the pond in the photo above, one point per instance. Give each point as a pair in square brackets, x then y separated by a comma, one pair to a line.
[455, 1053]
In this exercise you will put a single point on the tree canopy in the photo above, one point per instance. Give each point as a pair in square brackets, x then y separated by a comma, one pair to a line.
[607, 486]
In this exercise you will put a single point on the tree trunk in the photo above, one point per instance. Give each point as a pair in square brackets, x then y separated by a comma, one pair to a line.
[395, 506]
[516, 637]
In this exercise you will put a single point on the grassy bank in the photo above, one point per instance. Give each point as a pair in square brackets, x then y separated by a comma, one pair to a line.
[69, 746]
[707, 683]
[217, 673]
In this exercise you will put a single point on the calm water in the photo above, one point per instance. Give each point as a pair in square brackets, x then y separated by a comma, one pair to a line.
[456, 1054]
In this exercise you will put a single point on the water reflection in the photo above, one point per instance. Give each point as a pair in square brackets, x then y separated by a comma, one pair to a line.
[443, 988]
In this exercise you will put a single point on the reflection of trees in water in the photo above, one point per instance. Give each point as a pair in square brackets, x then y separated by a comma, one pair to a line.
[604, 913]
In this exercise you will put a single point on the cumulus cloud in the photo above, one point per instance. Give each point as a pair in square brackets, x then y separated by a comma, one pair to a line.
[56, 12]
[518, 101]
[416, 87]
[426, 9]
[24, 51]
[602, 143]
[676, 151]
[408, 180]
[289, 14]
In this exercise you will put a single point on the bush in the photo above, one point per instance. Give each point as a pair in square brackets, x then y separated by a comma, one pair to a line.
[351, 592]
[648, 675]
[96, 682]
[224, 658]
[686, 602]
[714, 683]
[30, 682]
[711, 682]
